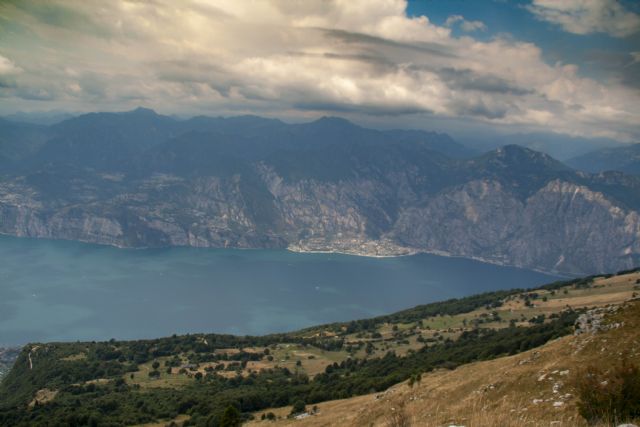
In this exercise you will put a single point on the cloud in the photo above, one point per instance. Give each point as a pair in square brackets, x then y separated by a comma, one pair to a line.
[468, 26]
[588, 16]
[7, 66]
[361, 58]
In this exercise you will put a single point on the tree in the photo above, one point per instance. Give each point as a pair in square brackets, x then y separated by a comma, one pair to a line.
[369, 349]
[155, 365]
[231, 417]
[298, 407]
[415, 378]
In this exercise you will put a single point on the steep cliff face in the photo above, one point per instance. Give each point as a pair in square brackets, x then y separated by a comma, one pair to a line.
[368, 195]
[561, 227]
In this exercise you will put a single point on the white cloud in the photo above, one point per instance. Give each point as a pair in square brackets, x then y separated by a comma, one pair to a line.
[588, 16]
[295, 58]
[468, 26]
[7, 66]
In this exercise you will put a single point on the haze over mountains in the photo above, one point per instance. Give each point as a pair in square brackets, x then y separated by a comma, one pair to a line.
[625, 159]
[139, 179]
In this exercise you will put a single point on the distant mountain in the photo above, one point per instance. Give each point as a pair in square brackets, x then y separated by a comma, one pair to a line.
[559, 146]
[20, 140]
[624, 159]
[104, 141]
[139, 179]
[39, 118]
[110, 141]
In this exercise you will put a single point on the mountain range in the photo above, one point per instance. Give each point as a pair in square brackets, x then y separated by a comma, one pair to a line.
[625, 159]
[140, 179]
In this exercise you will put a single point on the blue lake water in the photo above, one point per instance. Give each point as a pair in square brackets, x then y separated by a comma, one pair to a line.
[66, 291]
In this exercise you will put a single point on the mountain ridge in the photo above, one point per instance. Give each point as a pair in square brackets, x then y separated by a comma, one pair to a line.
[623, 159]
[139, 179]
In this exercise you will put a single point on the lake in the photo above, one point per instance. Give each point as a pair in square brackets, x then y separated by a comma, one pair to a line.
[65, 291]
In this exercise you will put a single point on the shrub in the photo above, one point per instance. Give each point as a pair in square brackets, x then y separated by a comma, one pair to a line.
[611, 396]
[231, 417]
[298, 407]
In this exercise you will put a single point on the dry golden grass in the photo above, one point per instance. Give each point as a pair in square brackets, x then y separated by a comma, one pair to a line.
[74, 357]
[43, 396]
[179, 420]
[521, 390]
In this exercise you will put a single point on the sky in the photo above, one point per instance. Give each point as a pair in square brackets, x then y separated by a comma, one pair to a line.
[570, 66]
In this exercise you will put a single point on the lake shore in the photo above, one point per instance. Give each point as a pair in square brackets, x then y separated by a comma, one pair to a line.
[386, 249]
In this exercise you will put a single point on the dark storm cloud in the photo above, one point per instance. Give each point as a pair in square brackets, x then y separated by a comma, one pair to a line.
[372, 110]
[469, 80]
[480, 109]
[349, 37]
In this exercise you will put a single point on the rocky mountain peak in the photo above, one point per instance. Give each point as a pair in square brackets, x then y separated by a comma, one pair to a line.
[515, 155]
[142, 111]
[331, 122]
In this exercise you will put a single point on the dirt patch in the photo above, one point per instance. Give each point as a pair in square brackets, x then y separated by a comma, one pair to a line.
[43, 396]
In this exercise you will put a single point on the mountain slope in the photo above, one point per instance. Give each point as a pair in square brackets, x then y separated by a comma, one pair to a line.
[20, 140]
[559, 146]
[192, 379]
[138, 179]
[624, 159]
[536, 387]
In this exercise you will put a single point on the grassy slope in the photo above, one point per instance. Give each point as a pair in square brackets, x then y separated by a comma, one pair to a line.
[401, 332]
[499, 392]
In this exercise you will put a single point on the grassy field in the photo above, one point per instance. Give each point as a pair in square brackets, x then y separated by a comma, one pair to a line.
[170, 380]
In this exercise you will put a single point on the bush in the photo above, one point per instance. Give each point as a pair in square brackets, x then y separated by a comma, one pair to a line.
[611, 396]
[231, 417]
[298, 407]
